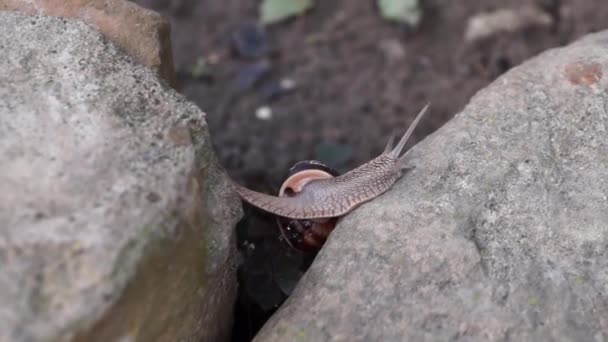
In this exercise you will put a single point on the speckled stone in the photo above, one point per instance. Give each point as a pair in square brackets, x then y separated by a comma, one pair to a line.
[116, 223]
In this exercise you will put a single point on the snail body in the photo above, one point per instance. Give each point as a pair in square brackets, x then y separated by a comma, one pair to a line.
[318, 196]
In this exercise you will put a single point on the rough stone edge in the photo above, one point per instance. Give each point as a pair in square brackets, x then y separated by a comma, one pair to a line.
[219, 204]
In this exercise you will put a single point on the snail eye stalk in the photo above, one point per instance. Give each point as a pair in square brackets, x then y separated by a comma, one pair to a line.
[397, 150]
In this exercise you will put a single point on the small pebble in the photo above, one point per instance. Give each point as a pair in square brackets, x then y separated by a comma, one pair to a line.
[288, 84]
[263, 113]
[484, 25]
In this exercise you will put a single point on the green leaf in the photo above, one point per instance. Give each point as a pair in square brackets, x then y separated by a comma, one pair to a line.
[273, 11]
[404, 11]
[201, 68]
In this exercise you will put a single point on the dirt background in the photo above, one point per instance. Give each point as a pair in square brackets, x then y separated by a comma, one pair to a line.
[358, 79]
[350, 90]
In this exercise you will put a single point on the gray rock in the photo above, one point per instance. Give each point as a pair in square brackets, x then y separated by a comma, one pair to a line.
[142, 33]
[499, 233]
[115, 220]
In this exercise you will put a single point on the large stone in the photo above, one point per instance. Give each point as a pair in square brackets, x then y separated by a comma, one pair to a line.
[499, 233]
[142, 33]
[116, 223]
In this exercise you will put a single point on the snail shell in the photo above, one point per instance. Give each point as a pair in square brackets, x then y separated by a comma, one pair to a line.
[305, 235]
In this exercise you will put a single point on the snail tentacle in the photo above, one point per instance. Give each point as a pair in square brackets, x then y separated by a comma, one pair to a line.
[389, 144]
[397, 150]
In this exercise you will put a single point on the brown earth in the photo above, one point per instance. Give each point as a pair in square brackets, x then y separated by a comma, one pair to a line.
[350, 90]
[358, 78]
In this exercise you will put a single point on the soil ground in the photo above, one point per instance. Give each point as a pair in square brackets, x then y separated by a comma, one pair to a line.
[359, 78]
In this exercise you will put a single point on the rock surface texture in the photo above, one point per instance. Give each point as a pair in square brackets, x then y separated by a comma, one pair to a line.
[116, 223]
[142, 33]
[500, 233]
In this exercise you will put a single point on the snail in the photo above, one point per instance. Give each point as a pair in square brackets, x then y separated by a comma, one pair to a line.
[314, 197]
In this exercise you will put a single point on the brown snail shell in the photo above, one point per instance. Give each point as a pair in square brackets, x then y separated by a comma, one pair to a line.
[305, 235]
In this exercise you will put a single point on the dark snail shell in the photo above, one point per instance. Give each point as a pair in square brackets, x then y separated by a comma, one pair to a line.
[305, 235]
